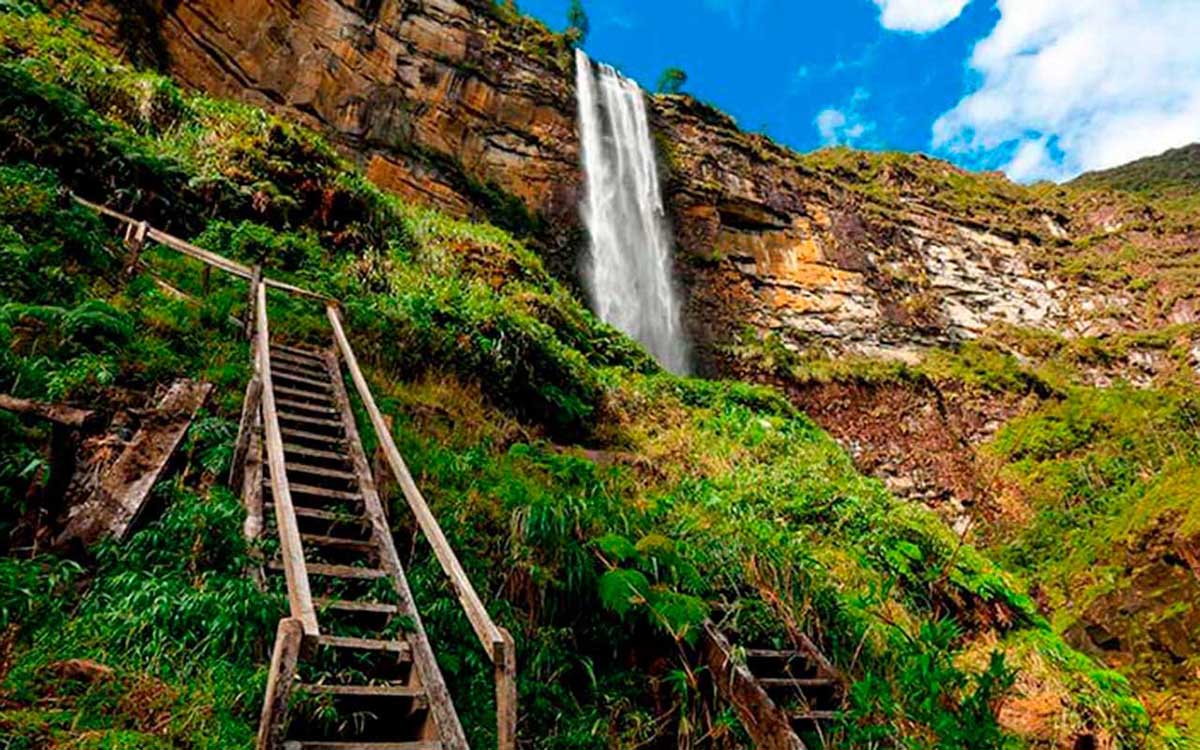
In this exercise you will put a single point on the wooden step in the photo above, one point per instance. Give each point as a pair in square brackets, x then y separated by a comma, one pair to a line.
[337, 542]
[286, 404]
[296, 351]
[300, 450]
[332, 440]
[283, 390]
[795, 682]
[356, 745]
[349, 605]
[324, 515]
[308, 489]
[365, 644]
[286, 416]
[317, 471]
[308, 370]
[335, 571]
[805, 714]
[370, 691]
[316, 383]
[770, 653]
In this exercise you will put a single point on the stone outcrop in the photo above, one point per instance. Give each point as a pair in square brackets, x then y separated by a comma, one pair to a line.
[465, 105]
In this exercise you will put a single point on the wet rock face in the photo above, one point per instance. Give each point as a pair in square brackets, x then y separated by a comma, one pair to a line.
[463, 105]
[441, 101]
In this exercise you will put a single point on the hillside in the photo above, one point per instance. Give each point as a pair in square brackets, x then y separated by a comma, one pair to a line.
[603, 506]
[1174, 170]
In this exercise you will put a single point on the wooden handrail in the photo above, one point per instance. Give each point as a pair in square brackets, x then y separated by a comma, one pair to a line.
[205, 256]
[299, 593]
[496, 641]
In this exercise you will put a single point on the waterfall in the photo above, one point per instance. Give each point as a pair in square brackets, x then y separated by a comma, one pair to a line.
[629, 264]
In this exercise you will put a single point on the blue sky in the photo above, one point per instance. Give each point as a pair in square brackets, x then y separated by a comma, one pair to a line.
[990, 84]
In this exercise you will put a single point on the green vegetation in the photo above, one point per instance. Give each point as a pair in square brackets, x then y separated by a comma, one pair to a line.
[1089, 487]
[578, 24]
[603, 506]
[672, 81]
[1172, 173]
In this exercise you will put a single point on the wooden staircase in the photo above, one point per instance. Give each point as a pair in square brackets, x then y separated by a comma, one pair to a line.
[369, 679]
[365, 678]
[352, 667]
[784, 698]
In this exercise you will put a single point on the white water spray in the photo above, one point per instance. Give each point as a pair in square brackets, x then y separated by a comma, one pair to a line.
[629, 268]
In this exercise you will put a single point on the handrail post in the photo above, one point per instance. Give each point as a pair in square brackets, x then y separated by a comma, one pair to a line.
[289, 638]
[506, 692]
[291, 552]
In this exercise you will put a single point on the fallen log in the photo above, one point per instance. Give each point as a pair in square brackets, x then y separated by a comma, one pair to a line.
[124, 488]
[67, 416]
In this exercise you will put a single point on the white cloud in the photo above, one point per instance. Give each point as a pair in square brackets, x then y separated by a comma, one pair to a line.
[830, 123]
[1076, 85]
[920, 16]
[739, 11]
[845, 126]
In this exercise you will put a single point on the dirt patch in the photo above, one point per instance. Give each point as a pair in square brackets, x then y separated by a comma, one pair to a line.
[922, 440]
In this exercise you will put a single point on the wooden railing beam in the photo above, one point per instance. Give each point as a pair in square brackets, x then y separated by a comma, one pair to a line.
[291, 551]
[205, 256]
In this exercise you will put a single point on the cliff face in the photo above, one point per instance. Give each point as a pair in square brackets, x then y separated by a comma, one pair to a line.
[470, 107]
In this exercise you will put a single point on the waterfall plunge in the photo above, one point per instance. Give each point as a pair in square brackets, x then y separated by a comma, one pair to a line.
[629, 263]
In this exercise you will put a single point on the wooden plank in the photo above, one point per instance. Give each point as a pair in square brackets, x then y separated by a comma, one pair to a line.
[338, 542]
[295, 406]
[305, 489]
[300, 364]
[767, 725]
[251, 416]
[62, 414]
[331, 516]
[125, 485]
[363, 745]
[796, 682]
[807, 715]
[369, 691]
[314, 421]
[186, 248]
[349, 605]
[283, 390]
[445, 723]
[305, 435]
[299, 592]
[313, 355]
[336, 571]
[365, 644]
[321, 385]
[771, 653]
[506, 694]
[300, 450]
[252, 482]
[477, 615]
[294, 467]
[288, 639]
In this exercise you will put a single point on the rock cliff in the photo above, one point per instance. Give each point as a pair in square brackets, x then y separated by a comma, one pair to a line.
[469, 106]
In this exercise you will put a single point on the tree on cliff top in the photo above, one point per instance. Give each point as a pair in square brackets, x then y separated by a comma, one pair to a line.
[672, 81]
[578, 24]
